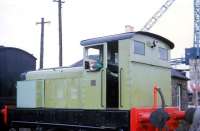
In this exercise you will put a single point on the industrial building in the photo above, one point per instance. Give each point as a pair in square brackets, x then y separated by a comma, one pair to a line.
[179, 89]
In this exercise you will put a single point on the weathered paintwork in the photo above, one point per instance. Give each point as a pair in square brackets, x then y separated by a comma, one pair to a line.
[61, 86]
[82, 89]
[140, 73]
[55, 73]
[30, 93]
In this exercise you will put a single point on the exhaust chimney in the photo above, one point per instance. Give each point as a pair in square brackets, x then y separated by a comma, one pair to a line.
[129, 28]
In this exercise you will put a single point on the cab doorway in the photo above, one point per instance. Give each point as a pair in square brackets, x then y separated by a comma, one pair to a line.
[112, 82]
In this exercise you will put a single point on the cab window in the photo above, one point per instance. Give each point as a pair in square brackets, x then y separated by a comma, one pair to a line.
[163, 53]
[139, 48]
[94, 58]
[95, 53]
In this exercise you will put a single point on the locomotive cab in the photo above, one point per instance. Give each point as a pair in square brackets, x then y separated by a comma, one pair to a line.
[123, 69]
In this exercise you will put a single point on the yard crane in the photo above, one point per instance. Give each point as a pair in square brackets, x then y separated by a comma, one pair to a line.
[194, 60]
[152, 21]
[192, 55]
[197, 25]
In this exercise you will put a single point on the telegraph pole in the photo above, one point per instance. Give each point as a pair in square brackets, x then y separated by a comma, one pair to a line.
[42, 41]
[60, 2]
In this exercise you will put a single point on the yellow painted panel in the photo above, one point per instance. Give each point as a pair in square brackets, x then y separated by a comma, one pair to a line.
[56, 93]
[62, 93]
[40, 93]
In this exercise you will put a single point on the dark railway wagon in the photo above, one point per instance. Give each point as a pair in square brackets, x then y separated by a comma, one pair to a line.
[13, 62]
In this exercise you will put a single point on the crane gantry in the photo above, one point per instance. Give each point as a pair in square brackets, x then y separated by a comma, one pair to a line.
[152, 21]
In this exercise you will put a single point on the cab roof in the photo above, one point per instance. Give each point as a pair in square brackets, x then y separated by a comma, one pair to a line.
[123, 36]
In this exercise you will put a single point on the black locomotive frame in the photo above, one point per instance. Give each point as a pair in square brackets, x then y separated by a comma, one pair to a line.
[109, 119]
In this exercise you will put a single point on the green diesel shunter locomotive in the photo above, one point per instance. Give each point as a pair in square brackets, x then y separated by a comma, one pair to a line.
[118, 73]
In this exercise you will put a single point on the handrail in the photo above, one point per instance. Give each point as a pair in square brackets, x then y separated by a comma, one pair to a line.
[102, 88]
[120, 88]
[155, 96]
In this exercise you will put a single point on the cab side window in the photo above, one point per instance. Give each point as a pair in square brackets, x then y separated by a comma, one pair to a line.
[139, 47]
[163, 53]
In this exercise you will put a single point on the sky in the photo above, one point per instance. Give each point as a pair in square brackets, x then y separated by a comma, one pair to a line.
[83, 19]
